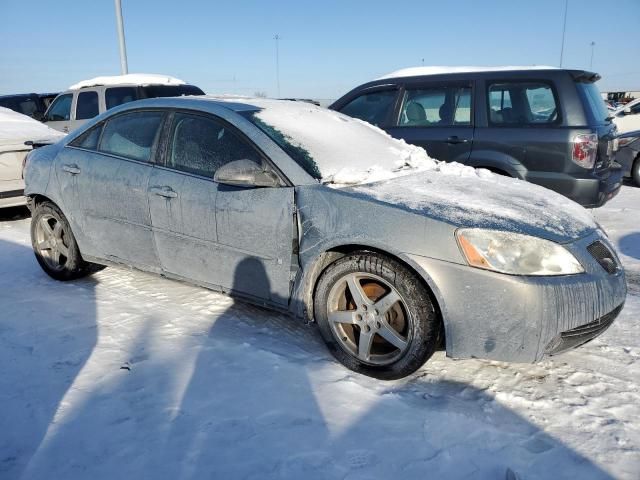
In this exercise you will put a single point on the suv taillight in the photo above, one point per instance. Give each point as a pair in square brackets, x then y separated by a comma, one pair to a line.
[585, 150]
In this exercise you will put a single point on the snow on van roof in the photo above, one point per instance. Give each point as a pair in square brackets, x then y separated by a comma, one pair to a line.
[439, 70]
[15, 129]
[129, 79]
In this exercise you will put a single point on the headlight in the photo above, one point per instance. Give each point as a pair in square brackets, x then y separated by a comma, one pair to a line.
[515, 253]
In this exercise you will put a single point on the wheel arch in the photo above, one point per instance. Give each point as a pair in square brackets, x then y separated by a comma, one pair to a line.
[318, 265]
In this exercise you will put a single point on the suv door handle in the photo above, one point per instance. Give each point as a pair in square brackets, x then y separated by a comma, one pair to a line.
[165, 191]
[454, 140]
[73, 169]
[65, 129]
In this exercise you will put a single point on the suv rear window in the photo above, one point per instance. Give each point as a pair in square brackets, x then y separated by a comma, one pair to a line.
[436, 106]
[371, 107]
[522, 103]
[593, 101]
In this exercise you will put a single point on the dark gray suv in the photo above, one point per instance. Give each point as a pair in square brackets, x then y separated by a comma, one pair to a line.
[545, 125]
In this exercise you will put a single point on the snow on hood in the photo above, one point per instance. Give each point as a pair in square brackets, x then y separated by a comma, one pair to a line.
[15, 129]
[129, 79]
[468, 197]
[345, 150]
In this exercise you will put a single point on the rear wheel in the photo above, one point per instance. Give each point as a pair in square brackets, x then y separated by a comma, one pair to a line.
[375, 316]
[55, 246]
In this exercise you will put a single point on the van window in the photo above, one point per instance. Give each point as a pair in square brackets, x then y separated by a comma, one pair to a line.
[60, 109]
[373, 107]
[87, 105]
[436, 107]
[131, 135]
[115, 96]
[522, 103]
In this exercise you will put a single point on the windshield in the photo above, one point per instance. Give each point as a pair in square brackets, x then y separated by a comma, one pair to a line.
[591, 94]
[335, 148]
[153, 91]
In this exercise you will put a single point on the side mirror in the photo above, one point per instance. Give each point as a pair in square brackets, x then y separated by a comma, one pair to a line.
[39, 116]
[627, 111]
[245, 173]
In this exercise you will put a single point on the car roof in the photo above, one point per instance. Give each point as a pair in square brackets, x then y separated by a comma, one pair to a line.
[198, 102]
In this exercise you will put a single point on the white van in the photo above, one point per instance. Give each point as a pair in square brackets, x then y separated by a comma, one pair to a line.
[86, 99]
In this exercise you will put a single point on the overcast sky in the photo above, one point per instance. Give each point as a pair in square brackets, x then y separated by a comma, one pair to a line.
[327, 46]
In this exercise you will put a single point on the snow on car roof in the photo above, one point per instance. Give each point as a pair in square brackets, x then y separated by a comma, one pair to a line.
[439, 70]
[129, 79]
[15, 129]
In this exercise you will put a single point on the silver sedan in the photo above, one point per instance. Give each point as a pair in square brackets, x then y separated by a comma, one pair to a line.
[301, 209]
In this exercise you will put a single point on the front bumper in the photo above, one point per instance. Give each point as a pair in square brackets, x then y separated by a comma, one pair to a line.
[517, 318]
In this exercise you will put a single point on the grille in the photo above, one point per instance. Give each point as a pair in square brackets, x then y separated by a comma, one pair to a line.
[580, 335]
[603, 256]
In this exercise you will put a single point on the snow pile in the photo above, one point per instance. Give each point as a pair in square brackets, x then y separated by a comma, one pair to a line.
[440, 70]
[129, 79]
[15, 129]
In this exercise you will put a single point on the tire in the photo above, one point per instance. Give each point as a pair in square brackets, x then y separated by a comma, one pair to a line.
[635, 172]
[55, 246]
[393, 332]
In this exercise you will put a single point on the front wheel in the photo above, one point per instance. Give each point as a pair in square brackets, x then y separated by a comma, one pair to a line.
[375, 316]
[55, 246]
[635, 171]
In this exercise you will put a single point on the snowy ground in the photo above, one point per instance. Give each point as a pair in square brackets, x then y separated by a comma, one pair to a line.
[126, 375]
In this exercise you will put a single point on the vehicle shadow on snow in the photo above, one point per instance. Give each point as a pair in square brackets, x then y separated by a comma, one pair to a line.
[630, 245]
[255, 395]
[45, 341]
[286, 410]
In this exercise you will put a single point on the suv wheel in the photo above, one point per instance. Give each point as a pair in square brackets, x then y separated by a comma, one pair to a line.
[55, 246]
[375, 316]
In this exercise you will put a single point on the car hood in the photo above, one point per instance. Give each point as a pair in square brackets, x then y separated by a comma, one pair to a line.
[468, 197]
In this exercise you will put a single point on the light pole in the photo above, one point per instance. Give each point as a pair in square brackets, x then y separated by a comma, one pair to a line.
[123, 48]
[593, 45]
[277, 39]
[564, 29]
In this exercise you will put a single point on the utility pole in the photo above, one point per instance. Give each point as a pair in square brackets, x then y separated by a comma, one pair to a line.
[123, 48]
[277, 38]
[564, 29]
[593, 44]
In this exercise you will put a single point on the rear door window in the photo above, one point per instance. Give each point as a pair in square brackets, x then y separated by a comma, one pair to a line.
[374, 107]
[87, 105]
[60, 109]
[131, 135]
[115, 96]
[522, 104]
[436, 106]
[88, 139]
[201, 145]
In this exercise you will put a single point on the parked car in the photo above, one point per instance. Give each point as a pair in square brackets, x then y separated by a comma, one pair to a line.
[15, 130]
[629, 155]
[30, 104]
[86, 99]
[309, 211]
[545, 125]
[627, 117]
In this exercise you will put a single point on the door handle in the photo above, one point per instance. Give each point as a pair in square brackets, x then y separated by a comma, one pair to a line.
[65, 129]
[454, 140]
[73, 169]
[166, 192]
